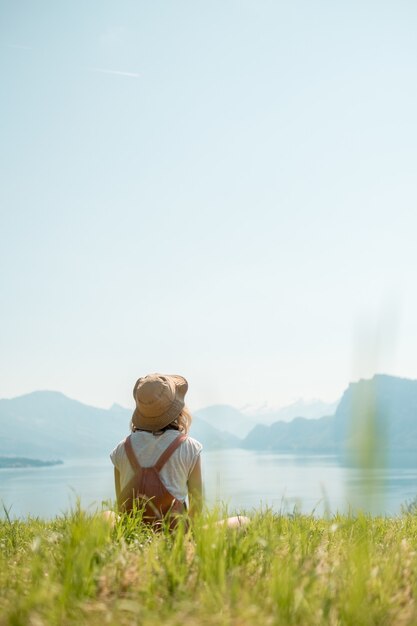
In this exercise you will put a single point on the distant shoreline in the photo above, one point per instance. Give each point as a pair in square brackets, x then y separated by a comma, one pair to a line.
[17, 462]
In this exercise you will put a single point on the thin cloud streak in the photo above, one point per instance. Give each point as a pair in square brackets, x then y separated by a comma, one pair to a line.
[17, 46]
[116, 72]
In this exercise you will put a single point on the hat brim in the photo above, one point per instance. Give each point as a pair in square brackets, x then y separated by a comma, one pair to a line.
[156, 423]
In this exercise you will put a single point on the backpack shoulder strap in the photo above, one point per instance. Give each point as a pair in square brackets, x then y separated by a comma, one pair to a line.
[168, 452]
[136, 466]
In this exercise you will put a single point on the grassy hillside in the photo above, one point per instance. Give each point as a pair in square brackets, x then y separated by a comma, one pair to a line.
[280, 570]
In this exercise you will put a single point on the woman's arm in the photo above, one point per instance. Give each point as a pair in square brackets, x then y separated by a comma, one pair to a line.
[195, 489]
[117, 484]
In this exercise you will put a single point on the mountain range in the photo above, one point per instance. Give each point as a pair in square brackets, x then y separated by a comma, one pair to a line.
[47, 424]
[382, 412]
[312, 409]
[375, 419]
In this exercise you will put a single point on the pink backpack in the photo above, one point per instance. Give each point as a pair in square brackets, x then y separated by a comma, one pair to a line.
[148, 491]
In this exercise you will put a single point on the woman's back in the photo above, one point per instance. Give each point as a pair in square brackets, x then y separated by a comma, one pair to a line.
[148, 447]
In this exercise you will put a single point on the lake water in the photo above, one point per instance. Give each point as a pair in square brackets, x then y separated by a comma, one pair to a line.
[244, 480]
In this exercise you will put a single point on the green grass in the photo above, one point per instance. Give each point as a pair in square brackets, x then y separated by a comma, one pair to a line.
[279, 570]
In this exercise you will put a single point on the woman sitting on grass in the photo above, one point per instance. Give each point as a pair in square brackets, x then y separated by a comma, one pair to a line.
[158, 460]
[157, 467]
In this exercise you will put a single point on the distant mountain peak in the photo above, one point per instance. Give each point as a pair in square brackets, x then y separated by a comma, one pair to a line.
[301, 405]
[118, 407]
[42, 393]
[226, 418]
[310, 409]
[48, 423]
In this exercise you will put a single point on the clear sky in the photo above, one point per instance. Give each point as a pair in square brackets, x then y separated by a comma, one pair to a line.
[225, 190]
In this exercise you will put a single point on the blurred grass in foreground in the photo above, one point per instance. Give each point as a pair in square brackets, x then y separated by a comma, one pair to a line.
[367, 447]
[279, 570]
[368, 444]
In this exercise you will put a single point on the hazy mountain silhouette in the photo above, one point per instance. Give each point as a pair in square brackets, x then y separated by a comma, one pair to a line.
[227, 418]
[387, 407]
[380, 413]
[240, 422]
[300, 408]
[299, 435]
[49, 425]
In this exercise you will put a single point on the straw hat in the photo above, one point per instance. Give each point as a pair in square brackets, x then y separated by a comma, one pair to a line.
[159, 400]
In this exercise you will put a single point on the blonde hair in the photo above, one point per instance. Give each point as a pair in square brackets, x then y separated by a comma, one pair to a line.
[184, 420]
[181, 423]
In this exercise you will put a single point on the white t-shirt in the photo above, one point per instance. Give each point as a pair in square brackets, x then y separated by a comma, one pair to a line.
[148, 448]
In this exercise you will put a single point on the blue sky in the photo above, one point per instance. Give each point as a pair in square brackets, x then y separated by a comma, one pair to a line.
[224, 190]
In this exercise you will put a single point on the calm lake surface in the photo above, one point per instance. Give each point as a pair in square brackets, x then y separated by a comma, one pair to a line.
[243, 480]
